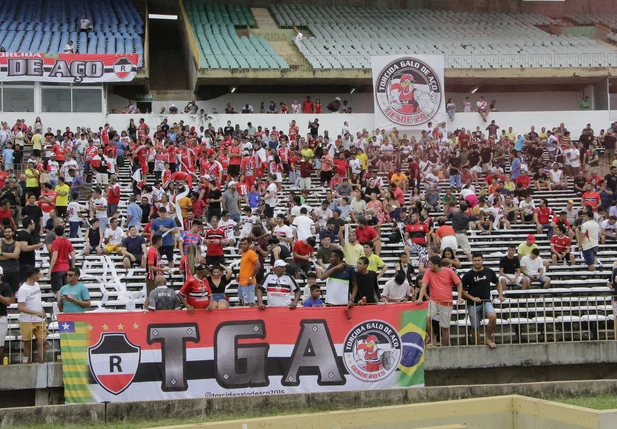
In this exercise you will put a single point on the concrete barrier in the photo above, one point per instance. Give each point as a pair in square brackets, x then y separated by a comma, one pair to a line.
[247, 406]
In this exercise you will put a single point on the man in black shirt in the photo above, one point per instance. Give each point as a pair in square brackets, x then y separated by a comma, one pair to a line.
[486, 153]
[6, 299]
[610, 142]
[477, 292]
[228, 130]
[29, 244]
[611, 179]
[215, 196]
[368, 287]
[586, 138]
[510, 272]
[33, 211]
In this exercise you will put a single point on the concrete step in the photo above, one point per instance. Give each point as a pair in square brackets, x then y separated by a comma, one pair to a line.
[172, 95]
[290, 53]
[263, 19]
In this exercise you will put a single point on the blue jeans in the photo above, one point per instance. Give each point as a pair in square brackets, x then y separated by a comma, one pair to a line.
[111, 209]
[74, 228]
[247, 294]
[235, 217]
[477, 312]
[455, 181]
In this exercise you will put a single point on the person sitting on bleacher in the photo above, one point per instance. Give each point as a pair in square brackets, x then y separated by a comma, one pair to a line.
[532, 268]
[561, 247]
[94, 238]
[133, 249]
[113, 238]
[510, 272]
[542, 218]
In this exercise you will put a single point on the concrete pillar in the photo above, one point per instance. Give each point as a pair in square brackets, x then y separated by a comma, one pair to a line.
[600, 95]
[41, 397]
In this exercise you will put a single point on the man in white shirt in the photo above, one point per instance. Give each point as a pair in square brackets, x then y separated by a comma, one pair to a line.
[99, 206]
[283, 232]
[31, 314]
[69, 163]
[557, 178]
[68, 48]
[303, 225]
[532, 268]
[113, 237]
[587, 238]
[322, 214]
[296, 107]
[608, 229]
[270, 199]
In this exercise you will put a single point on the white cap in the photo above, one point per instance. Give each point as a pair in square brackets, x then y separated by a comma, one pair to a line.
[232, 183]
[338, 99]
[280, 263]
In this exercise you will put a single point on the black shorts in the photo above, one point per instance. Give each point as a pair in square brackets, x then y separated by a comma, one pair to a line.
[137, 259]
[168, 251]
[269, 211]
[233, 170]
[215, 260]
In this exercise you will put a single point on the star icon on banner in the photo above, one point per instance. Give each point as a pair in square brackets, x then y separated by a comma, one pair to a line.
[89, 327]
[135, 326]
[65, 326]
[120, 326]
[105, 327]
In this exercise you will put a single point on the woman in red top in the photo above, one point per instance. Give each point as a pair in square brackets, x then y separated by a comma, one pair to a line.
[317, 105]
[196, 292]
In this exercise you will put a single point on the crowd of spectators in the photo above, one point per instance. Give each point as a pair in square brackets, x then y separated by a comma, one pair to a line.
[224, 188]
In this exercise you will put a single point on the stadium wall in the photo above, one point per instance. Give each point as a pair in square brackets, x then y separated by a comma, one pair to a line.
[520, 121]
[363, 102]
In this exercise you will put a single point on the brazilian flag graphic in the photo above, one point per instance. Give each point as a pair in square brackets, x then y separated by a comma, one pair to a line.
[413, 332]
[75, 339]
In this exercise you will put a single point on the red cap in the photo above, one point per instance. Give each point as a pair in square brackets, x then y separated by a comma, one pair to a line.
[531, 238]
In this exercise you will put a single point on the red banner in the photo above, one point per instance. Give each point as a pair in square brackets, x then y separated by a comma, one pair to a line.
[69, 68]
[129, 356]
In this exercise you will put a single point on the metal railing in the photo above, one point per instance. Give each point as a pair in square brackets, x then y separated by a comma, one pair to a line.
[540, 318]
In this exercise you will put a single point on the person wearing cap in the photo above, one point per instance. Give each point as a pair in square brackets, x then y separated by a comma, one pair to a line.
[196, 292]
[162, 297]
[527, 246]
[281, 289]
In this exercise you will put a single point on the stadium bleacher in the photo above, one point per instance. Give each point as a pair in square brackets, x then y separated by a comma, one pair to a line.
[607, 19]
[576, 307]
[47, 26]
[346, 38]
[220, 46]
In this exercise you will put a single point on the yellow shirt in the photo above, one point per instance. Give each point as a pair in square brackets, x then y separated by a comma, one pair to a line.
[62, 200]
[543, 136]
[363, 159]
[511, 136]
[32, 182]
[37, 142]
[307, 153]
[398, 178]
[353, 253]
[524, 249]
[375, 263]
[185, 204]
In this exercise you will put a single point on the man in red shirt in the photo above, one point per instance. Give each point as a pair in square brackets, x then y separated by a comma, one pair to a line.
[591, 198]
[113, 197]
[216, 239]
[302, 254]
[307, 106]
[365, 233]
[153, 265]
[61, 250]
[199, 206]
[235, 159]
[523, 179]
[561, 246]
[247, 167]
[341, 165]
[542, 217]
[196, 292]
[416, 231]
[47, 202]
